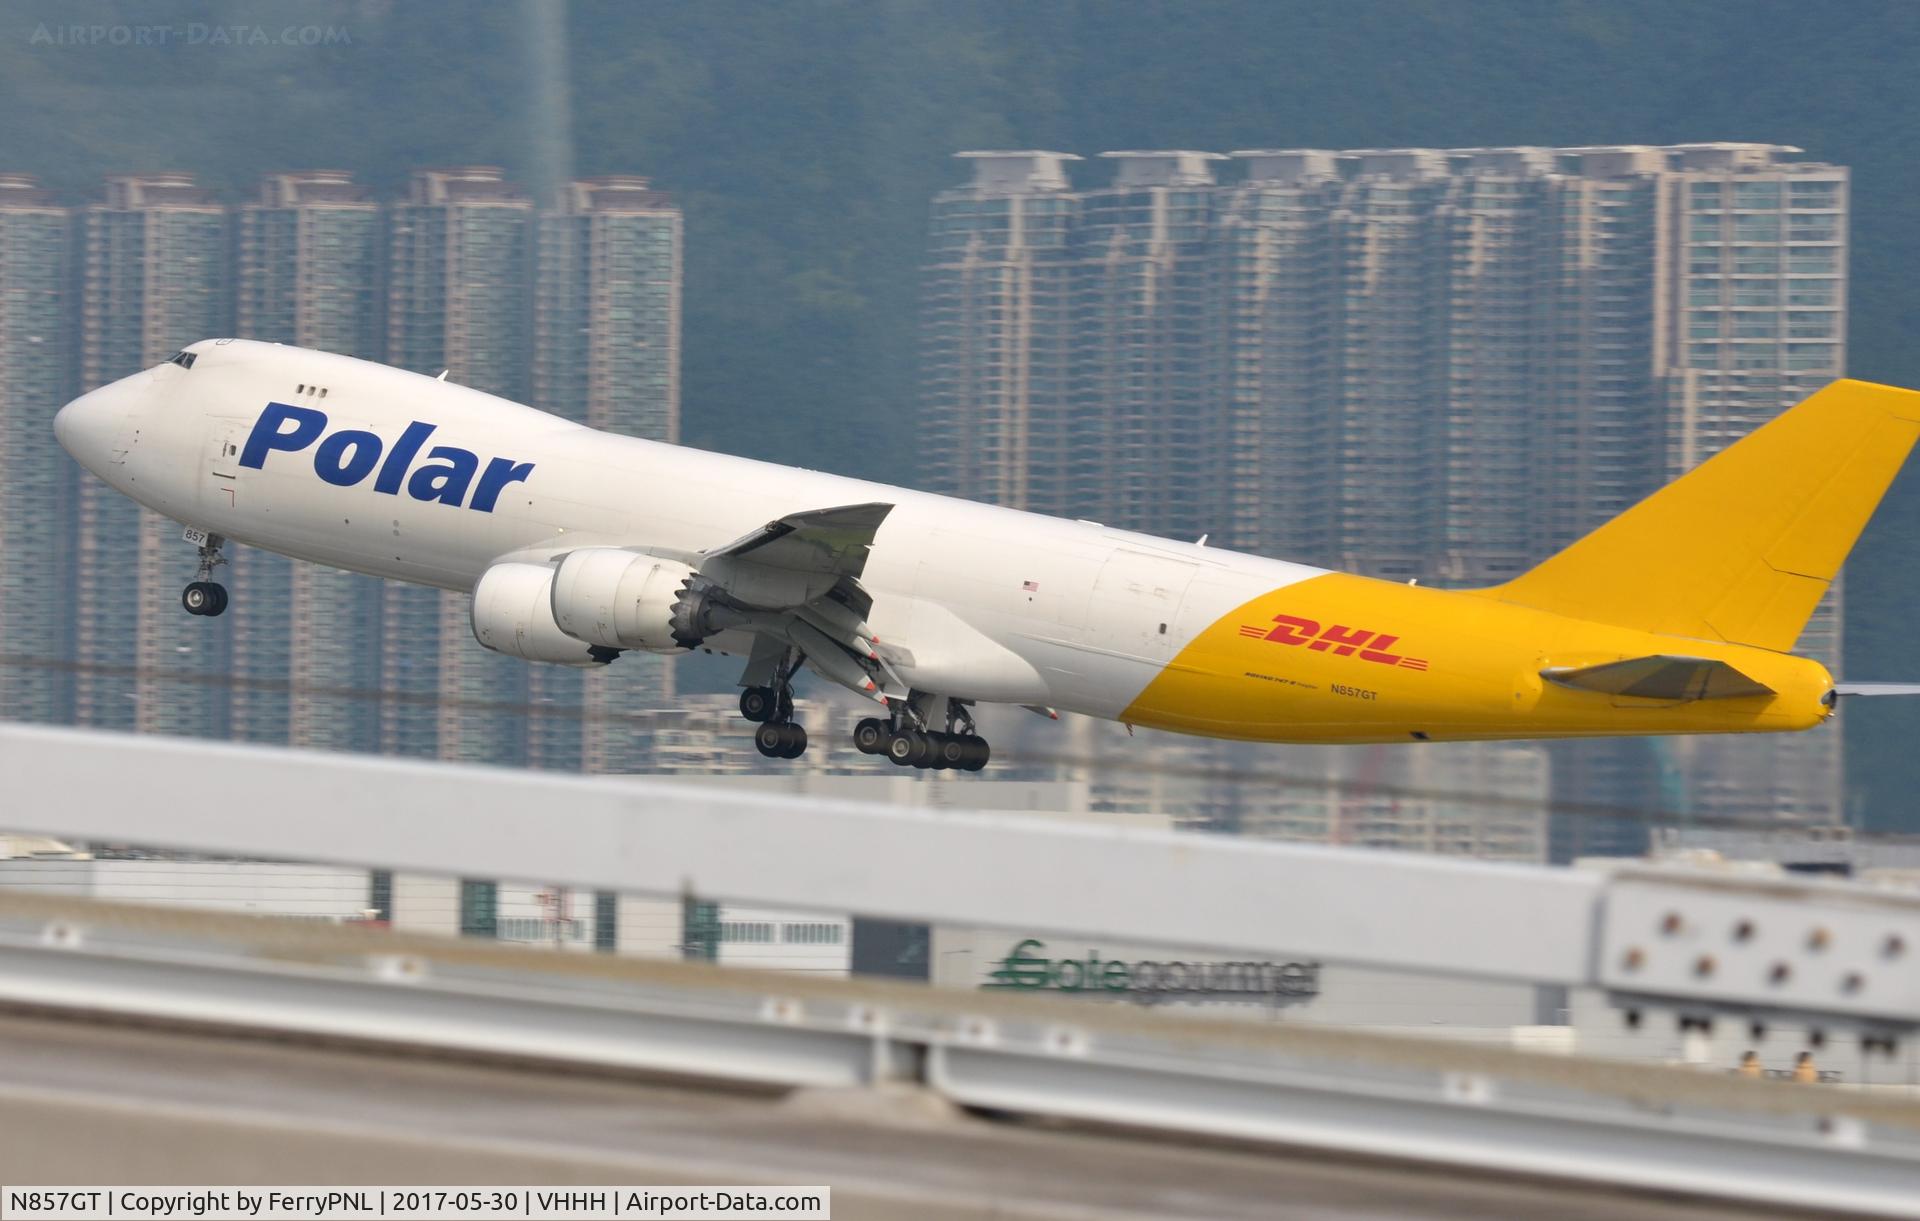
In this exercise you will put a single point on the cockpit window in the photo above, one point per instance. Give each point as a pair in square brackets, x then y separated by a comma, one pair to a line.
[183, 358]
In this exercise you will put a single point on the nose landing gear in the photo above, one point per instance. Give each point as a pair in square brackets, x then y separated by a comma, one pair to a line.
[203, 596]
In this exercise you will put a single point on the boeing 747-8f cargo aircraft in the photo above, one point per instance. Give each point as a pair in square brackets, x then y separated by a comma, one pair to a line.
[1675, 617]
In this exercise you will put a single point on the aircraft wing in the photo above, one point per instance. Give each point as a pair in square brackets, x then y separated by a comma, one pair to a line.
[826, 541]
[796, 580]
[1660, 677]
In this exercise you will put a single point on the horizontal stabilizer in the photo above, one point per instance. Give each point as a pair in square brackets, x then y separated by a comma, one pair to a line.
[1661, 677]
[1876, 688]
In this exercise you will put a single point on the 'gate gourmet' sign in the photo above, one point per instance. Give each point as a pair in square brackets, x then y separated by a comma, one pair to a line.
[1026, 967]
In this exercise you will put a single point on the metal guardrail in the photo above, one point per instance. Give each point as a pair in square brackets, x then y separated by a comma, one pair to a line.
[1485, 1108]
[1826, 953]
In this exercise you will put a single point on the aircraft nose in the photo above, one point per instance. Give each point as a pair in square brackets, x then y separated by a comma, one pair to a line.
[87, 426]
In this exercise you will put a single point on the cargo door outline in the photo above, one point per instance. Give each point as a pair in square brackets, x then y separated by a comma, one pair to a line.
[224, 439]
[1135, 607]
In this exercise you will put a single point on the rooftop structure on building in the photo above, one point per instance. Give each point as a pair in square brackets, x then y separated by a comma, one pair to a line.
[1399, 162]
[1289, 164]
[311, 187]
[1012, 172]
[462, 184]
[613, 193]
[1169, 168]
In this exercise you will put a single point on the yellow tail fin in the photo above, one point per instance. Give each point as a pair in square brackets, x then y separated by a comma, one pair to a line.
[1741, 547]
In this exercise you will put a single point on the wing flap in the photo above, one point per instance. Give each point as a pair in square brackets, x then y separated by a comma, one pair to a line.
[816, 541]
[1660, 677]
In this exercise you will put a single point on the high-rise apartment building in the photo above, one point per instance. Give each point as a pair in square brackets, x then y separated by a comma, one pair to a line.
[1753, 312]
[1143, 322]
[1279, 273]
[1064, 338]
[606, 354]
[154, 278]
[1501, 279]
[1601, 374]
[308, 256]
[36, 478]
[996, 382]
[309, 264]
[458, 303]
[1390, 336]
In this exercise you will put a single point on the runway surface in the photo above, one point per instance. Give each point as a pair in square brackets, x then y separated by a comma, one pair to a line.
[101, 1104]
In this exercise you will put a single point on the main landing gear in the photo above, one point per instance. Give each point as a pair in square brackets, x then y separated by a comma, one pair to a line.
[905, 736]
[779, 736]
[203, 596]
[905, 745]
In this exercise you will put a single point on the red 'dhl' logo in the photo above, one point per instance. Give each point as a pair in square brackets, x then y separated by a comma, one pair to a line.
[1340, 640]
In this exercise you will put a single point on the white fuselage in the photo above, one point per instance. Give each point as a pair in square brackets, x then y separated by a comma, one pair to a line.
[980, 602]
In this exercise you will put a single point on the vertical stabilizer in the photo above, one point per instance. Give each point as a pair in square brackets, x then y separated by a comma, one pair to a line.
[1741, 547]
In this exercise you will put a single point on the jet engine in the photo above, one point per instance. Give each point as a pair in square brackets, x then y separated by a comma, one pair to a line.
[623, 600]
[513, 614]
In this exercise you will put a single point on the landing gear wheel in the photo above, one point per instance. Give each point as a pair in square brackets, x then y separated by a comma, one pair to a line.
[204, 598]
[977, 753]
[949, 751]
[902, 747]
[758, 704]
[870, 736]
[780, 740]
[925, 751]
[796, 741]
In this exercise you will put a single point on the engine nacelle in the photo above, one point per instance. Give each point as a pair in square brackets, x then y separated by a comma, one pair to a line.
[620, 600]
[513, 614]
